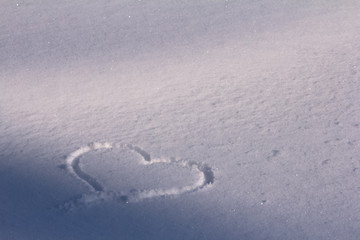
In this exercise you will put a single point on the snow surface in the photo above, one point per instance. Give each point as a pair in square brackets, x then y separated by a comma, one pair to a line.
[157, 119]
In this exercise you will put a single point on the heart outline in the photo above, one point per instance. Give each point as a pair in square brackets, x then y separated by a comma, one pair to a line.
[98, 192]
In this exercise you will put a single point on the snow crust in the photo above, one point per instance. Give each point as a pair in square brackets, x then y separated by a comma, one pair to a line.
[98, 194]
[160, 119]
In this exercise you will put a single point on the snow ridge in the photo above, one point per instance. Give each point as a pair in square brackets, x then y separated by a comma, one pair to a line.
[98, 192]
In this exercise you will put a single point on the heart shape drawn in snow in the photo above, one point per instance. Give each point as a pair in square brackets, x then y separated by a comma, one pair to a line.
[98, 192]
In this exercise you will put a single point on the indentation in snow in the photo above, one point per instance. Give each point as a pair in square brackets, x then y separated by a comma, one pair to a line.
[100, 194]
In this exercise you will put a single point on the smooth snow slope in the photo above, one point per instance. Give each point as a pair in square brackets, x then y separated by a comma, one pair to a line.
[250, 110]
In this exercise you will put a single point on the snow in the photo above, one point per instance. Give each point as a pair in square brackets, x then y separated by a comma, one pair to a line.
[204, 172]
[179, 119]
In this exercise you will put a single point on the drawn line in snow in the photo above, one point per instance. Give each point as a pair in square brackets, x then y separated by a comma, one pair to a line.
[85, 177]
[138, 150]
[98, 192]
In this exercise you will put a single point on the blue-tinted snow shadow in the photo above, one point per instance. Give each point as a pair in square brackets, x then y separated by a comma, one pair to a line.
[28, 210]
[58, 34]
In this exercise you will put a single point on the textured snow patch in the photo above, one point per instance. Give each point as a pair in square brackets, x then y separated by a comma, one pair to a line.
[204, 173]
